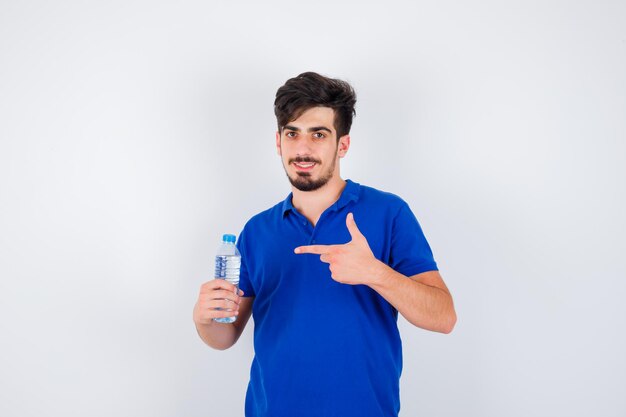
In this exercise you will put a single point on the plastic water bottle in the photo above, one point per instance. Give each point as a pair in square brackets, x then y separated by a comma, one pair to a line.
[227, 266]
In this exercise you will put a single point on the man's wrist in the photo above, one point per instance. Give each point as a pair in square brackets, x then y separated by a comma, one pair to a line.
[379, 274]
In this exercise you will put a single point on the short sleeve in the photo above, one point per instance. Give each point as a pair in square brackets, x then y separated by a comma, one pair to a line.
[244, 277]
[410, 252]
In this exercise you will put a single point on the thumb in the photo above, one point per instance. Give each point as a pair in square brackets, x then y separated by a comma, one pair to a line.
[352, 227]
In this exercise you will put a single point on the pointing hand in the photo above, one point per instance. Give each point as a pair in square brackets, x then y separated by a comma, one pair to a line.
[350, 263]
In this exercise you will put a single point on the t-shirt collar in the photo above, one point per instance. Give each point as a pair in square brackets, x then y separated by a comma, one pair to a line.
[349, 193]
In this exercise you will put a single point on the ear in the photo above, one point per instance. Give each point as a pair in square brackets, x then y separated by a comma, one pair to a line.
[278, 150]
[344, 145]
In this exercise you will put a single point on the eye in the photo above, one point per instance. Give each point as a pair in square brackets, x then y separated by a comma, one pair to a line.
[290, 134]
[319, 135]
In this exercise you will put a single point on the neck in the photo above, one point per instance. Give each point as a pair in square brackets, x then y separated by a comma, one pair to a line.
[311, 204]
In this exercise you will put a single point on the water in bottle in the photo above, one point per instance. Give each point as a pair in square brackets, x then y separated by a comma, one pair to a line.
[227, 266]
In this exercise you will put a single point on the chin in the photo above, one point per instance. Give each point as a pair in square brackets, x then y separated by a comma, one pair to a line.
[307, 183]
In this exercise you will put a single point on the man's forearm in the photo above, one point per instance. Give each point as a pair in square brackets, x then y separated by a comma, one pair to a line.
[424, 306]
[219, 336]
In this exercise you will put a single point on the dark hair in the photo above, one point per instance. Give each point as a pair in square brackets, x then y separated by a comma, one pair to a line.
[309, 90]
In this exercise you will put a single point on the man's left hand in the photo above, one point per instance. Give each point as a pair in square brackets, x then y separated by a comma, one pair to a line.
[350, 263]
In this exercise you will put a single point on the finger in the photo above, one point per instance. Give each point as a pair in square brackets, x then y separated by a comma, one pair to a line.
[209, 315]
[222, 304]
[352, 227]
[325, 258]
[218, 283]
[314, 249]
[207, 310]
[221, 314]
[221, 295]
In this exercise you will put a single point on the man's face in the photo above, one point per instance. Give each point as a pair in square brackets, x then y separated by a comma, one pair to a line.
[309, 149]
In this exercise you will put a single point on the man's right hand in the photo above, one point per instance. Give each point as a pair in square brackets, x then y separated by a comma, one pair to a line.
[214, 295]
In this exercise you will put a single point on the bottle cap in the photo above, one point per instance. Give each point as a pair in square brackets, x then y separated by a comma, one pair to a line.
[229, 238]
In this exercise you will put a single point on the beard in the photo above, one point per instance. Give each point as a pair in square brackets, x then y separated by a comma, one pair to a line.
[303, 181]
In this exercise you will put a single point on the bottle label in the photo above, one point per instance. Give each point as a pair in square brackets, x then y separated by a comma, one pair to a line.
[227, 267]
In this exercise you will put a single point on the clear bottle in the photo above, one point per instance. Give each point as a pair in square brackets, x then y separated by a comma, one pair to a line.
[227, 266]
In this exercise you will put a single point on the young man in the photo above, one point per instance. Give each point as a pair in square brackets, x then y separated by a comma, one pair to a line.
[324, 274]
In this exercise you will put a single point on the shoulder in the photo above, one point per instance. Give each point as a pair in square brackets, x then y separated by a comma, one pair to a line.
[379, 199]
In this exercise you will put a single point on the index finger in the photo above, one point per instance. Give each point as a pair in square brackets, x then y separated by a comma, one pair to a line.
[314, 249]
[218, 283]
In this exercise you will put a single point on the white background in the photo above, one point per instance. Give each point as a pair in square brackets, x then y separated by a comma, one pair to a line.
[134, 133]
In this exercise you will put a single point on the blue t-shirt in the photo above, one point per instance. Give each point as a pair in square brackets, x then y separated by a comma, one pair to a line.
[323, 348]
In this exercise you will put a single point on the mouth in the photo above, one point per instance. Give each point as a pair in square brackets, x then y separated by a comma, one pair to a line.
[304, 166]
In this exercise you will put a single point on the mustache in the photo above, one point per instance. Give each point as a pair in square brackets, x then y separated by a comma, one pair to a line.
[301, 159]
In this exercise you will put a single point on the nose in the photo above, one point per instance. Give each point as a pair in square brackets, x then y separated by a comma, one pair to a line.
[303, 147]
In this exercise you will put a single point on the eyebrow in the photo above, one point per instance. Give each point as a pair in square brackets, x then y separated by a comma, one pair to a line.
[311, 129]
